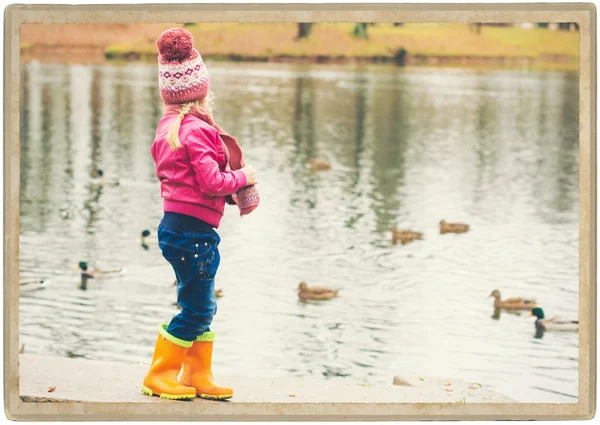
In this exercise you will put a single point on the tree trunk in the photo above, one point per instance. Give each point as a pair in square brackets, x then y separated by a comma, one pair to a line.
[360, 30]
[475, 27]
[304, 30]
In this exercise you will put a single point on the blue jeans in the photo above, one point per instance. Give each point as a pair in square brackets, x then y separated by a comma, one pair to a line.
[195, 260]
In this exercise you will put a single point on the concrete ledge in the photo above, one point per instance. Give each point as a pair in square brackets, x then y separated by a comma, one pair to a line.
[79, 380]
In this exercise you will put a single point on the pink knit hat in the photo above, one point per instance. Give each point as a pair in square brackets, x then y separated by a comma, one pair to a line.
[182, 75]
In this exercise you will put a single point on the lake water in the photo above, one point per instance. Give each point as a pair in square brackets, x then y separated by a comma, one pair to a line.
[497, 149]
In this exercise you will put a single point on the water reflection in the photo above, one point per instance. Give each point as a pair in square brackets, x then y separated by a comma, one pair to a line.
[495, 149]
[391, 132]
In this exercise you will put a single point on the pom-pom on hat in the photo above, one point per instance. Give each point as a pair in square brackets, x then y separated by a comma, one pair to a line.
[182, 75]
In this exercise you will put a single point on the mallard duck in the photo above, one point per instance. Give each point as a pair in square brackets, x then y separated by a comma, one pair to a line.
[315, 292]
[404, 236]
[554, 324]
[33, 285]
[88, 273]
[92, 273]
[453, 227]
[318, 164]
[511, 303]
[98, 178]
[146, 241]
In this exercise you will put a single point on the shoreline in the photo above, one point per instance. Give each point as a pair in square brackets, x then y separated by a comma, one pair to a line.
[97, 55]
[107, 381]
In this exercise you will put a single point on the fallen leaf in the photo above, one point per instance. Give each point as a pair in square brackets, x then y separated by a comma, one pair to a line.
[449, 391]
[473, 387]
[421, 379]
[478, 384]
[291, 395]
[448, 384]
[51, 389]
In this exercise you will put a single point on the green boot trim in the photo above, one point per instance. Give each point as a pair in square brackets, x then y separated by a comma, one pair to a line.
[149, 392]
[216, 397]
[206, 337]
[162, 330]
[177, 397]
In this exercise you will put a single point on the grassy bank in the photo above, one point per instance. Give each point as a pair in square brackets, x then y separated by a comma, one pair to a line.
[328, 42]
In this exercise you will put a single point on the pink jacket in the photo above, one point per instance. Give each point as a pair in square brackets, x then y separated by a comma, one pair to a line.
[194, 179]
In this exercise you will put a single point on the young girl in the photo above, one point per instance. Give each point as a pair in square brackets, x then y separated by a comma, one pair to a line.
[199, 167]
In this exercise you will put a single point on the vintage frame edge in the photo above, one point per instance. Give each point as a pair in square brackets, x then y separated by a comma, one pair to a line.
[15, 409]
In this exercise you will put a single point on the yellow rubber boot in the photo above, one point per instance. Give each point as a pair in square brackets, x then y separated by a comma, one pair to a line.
[161, 379]
[197, 371]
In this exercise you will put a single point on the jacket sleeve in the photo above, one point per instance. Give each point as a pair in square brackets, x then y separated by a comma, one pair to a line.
[202, 148]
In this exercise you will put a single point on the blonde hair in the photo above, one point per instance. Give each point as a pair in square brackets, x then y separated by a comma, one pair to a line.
[205, 104]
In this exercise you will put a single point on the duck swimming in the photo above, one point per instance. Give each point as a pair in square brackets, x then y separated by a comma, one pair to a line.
[315, 292]
[511, 303]
[88, 273]
[95, 273]
[555, 324]
[453, 227]
[404, 236]
[318, 164]
[146, 243]
[33, 285]
[98, 178]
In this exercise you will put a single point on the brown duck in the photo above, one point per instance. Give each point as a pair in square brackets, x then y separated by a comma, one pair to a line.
[453, 227]
[318, 164]
[404, 236]
[511, 303]
[315, 292]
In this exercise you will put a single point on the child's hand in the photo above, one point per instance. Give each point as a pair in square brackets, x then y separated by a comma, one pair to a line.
[250, 173]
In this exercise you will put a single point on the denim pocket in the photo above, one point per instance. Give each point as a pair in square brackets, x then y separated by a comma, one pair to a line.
[206, 259]
[179, 259]
[192, 255]
[202, 251]
[195, 261]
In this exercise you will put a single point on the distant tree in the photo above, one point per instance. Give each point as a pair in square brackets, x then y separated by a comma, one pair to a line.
[304, 30]
[400, 57]
[475, 27]
[360, 30]
[568, 26]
